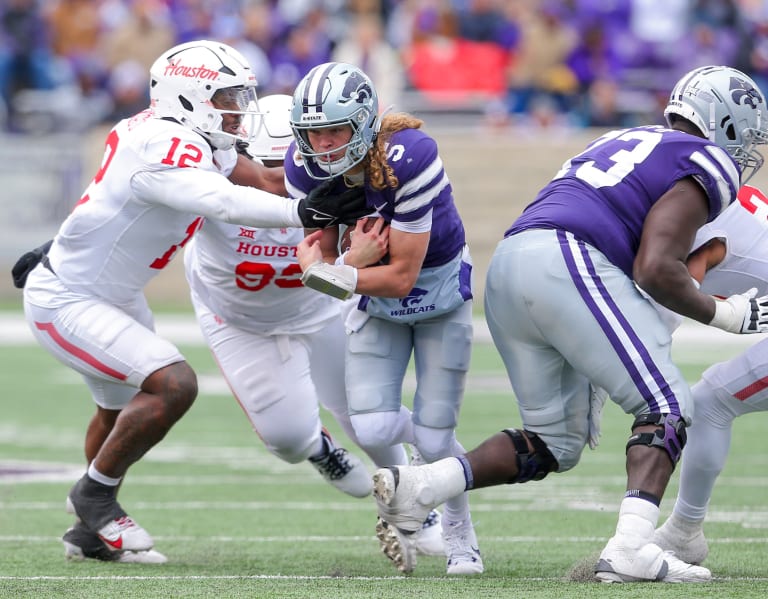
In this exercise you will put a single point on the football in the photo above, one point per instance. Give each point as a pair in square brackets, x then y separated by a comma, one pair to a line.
[345, 241]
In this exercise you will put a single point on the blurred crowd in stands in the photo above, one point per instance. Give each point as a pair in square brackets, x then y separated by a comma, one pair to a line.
[73, 64]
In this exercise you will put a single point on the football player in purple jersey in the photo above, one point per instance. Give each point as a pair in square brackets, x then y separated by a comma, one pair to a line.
[564, 310]
[416, 301]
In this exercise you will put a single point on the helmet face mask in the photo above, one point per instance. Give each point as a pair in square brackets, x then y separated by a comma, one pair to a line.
[197, 83]
[729, 110]
[335, 95]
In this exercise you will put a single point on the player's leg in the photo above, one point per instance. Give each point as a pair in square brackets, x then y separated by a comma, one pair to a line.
[378, 354]
[442, 351]
[629, 357]
[109, 347]
[270, 377]
[527, 293]
[726, 391]
[327, 365]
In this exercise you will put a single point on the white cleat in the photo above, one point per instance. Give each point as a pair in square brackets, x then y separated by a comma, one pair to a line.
[684, 538]
[80, 543]
[343, 470]
[429, 540]
[124, 534]
[462, 549]
[397, 546]
[404, 496]
[647, 563]
[96, 507]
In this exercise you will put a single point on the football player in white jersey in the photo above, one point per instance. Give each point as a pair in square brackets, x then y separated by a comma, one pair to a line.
[161, 176]
[280, 345]
[730, 254]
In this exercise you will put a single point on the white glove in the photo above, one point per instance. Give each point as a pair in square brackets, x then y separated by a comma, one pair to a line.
[742, 313]
[597, 399]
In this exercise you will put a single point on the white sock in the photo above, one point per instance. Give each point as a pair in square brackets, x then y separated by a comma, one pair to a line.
[102, 478]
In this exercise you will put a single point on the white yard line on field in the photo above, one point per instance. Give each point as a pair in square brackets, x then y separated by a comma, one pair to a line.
[182, 329]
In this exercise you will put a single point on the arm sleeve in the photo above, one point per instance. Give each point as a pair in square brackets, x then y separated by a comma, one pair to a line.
[212, 195]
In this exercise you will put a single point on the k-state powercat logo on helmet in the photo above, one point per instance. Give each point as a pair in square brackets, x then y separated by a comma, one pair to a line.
[176, 69]
[743, 93]
[356, 88]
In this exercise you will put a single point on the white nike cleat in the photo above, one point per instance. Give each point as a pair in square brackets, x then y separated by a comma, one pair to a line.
[96, 506]
[405, 495]
[343, 470]
[123, 534]
[685, 538]
[80, 544]
[397, 546]
[619, 563]
[462, 548]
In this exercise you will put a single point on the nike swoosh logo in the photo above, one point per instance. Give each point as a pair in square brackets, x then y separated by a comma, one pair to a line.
[116, 544]
[378, 208]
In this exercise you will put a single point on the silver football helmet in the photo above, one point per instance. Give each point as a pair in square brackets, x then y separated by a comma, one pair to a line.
[188, 78]
[729, 110]
[334, 94]
[273, 132]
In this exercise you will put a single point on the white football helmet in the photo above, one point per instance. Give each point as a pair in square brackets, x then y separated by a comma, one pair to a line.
[728, 108]
[188, 78]
[273, 132]
[333, 94]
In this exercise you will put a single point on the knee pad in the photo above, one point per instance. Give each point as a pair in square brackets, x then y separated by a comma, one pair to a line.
[377, 429]
[530, 466]
[434, 443]
[670, 436]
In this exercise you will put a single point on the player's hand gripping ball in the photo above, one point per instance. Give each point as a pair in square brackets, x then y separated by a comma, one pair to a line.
[346, 238]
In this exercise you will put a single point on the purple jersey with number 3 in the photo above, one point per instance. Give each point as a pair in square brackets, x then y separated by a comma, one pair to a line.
[604, 194]
[423, 187]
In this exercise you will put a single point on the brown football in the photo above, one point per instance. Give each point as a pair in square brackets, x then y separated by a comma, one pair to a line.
[345, 241]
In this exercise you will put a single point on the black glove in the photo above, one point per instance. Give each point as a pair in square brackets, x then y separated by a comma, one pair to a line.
[27, 262]
[321, 209]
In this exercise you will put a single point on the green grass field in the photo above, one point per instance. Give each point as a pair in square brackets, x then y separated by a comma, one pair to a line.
[236, 522]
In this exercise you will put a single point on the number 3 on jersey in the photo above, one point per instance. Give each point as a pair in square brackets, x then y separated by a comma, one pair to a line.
[640, 144]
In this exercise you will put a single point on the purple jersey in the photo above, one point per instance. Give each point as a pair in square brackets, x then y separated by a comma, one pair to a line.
[423, 186]
[604, 194]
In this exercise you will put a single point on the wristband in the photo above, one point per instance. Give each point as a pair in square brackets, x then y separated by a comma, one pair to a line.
[336, 281]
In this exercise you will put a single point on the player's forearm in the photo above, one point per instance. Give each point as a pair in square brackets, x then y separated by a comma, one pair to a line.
[385, 281]
[213, 196]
